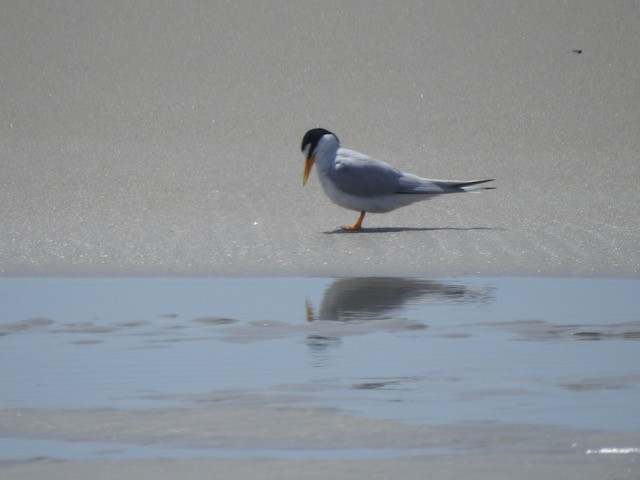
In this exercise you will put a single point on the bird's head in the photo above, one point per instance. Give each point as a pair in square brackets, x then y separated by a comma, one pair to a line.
[315, 143]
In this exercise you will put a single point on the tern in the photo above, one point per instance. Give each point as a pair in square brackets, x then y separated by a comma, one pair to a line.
[358, 182]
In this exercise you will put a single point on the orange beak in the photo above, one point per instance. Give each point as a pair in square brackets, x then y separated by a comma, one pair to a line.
[307, 169]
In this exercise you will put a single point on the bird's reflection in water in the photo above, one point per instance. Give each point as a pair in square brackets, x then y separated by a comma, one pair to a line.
[375, 298]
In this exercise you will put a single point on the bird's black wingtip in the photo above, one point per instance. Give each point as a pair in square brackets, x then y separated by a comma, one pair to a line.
[473, 182]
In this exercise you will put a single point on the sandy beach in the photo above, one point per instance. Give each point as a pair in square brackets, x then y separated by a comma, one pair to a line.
[177, 304]
[165, 139]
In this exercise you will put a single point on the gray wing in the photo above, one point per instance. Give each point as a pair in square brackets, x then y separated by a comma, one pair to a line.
[358, 174]
[363, 176]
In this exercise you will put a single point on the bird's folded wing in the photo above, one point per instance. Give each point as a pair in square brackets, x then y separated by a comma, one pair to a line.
[357, 174]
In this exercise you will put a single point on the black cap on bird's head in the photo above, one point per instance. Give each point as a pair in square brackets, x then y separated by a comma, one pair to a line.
[312, 137]
[309, 144]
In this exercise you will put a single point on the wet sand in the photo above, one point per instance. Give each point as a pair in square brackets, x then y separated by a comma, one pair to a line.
[528, 467]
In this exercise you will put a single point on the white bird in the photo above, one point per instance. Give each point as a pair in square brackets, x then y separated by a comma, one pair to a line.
[358, 182]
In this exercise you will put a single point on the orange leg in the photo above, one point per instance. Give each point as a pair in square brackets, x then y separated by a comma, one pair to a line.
[356, 226]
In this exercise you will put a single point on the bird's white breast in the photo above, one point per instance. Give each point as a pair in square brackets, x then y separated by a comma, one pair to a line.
[337, 196]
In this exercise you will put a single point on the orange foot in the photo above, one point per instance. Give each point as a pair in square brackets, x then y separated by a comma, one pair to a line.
[356, 226]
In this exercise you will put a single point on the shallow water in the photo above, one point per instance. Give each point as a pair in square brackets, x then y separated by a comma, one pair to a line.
[316, 367]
